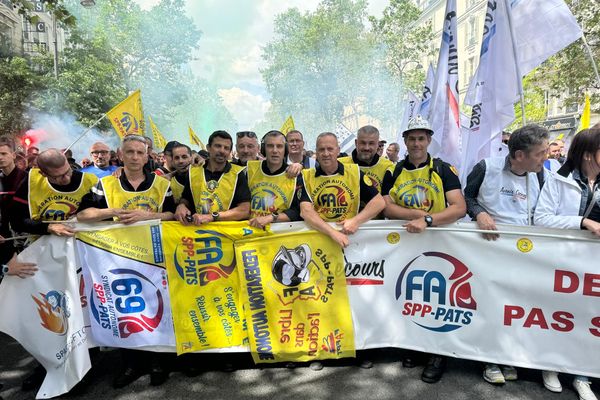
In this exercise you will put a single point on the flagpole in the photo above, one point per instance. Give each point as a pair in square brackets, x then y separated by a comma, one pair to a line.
[86, 131]
[589, 51]
[517, 67]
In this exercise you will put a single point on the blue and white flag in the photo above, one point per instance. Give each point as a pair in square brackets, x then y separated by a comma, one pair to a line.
[494, 88]
[445, 112]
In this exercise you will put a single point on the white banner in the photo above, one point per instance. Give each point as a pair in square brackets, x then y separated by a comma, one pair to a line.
[128, 299]
[530, 299]
[444, 116]
[44, 314]
[523, 300]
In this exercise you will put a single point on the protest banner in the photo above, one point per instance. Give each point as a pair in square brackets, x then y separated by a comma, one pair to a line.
[295, 298]
[44, 314]
[203, 284]
[126, 285]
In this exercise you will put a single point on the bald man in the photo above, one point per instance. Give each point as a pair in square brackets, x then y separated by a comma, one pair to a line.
[100, 154]
[51, 193]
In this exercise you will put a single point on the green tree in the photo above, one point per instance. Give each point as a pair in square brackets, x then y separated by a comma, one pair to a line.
[536, 109]
[202, 108]
[89, 84]
[403, 42]
[318, 64]
[152, 47]
[17, 83]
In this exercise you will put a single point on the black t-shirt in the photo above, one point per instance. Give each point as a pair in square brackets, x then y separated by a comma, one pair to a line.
[97, 199]
[241, 194]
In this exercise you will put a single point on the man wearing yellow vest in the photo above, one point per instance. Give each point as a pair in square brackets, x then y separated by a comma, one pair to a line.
[424, 191]
[136, 195]
[51, 193]
[336, 191]
[178, 158]
[216, 191]
[365, 155]
[273, 192]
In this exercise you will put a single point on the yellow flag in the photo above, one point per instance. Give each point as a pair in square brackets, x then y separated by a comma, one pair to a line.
[204, 285]
[295, 297]
[159, 140]
[584, 122]
[288, 125]
[195, 139]
[127, 117]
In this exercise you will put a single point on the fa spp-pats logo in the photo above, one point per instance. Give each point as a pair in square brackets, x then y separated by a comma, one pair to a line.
[331, 202]
[416, 197]
[203, 259]
[130, 123]
[54, 309]
[435, 291]
[126, 302]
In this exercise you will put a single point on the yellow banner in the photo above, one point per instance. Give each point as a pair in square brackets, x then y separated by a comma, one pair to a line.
[203, 284]
[141, 243]
[295, 298]
[127, 117]
[159, 140]
[195, 139]
[288, 125]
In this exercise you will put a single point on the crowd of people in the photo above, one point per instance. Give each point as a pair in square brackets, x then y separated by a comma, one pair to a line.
[134, 184]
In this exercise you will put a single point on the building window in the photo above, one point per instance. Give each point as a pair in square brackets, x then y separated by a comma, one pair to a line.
[472, 31]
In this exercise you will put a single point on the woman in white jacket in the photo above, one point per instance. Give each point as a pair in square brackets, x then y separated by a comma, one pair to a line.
[570, 199]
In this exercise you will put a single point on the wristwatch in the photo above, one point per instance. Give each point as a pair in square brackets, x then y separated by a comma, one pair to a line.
[4, 270]
[275, 215]
[428, 220]
[215, 216]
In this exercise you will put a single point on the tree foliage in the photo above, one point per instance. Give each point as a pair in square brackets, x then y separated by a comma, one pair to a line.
[337, 61]
[404, 43]
[89, 82]
[17, 83]
[535, 102]
[319, 63]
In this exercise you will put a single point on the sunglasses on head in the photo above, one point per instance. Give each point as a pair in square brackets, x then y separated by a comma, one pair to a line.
[249, 134]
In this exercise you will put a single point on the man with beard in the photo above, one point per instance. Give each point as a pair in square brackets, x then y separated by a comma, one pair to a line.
[365, 155]
[216, 191]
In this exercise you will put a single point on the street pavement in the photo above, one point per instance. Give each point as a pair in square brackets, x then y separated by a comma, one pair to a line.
[338, 380]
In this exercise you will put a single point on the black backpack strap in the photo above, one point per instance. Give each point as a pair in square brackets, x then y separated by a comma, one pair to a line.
[397, 170]
[437, 167]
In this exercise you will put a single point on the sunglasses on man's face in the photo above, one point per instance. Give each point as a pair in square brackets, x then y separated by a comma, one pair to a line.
[249, 134]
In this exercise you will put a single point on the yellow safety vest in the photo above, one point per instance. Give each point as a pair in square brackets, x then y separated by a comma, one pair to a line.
[176, 189]
[420, 188]
[335, 197]
[270, 193]
[375, 172]
[49, 204]
[151, 199]
[213, 196]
